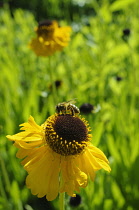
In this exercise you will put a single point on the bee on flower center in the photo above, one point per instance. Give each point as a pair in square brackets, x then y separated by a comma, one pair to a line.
[68, 107]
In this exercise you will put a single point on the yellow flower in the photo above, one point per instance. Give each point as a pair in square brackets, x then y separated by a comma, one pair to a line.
[58, 155]
[50, 38]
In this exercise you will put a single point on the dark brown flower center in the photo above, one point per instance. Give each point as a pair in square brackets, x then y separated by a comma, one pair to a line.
[46, 28]
[70, 128]
[45, 23]
[66, 134]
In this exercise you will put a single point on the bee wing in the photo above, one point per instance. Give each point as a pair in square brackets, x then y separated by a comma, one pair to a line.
[73, 101]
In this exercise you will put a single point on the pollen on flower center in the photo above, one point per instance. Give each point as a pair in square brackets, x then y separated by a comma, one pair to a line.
[66, 135]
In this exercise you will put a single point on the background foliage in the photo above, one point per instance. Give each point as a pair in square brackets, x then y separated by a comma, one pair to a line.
[100, 66]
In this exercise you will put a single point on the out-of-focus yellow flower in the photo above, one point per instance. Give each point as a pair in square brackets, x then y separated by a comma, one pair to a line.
[50, 38]
[58, 155]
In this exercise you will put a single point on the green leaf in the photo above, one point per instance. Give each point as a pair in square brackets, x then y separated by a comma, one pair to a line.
[28, 207]
[15, 194]
[112, 148]
[117, 194]
[108, 204]
[120, 4]
[97, 133]
[118, 51]
[134, 148]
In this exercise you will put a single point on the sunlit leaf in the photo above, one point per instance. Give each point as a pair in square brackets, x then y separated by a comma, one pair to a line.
[117, 195]
[113, 149]
[97, 133]
[120, 4]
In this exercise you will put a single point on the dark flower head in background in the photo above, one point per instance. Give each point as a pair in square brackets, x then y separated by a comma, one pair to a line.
[75, 201]
[86, 108]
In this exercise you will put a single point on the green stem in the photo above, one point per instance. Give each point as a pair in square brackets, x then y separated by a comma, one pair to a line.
[62, 201]
[52, 81]
[5, 174]
[2, 190]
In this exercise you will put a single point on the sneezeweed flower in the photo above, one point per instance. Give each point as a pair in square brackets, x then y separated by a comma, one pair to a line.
[126, 34]
[58, 155]
[86, 108]
[75, 201]
[50, 38]
[118, 78]
[57, 83]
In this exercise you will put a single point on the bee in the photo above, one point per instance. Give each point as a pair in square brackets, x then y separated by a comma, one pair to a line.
[68, 107]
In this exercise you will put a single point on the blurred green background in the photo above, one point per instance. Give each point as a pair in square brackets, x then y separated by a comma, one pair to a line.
[100, 66]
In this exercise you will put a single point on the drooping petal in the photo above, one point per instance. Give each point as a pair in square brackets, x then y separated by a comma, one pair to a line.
[33, 157]
[81, 178]
[27, 145]
[43, 178]
[97, 152]
[67, 183]
[53, 182]
[72, 177]
[22, 152]
[85, 166]
[97, 157]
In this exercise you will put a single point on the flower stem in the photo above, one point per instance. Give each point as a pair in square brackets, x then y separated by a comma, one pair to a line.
[5, 174]
[52, 81]
[62, 201]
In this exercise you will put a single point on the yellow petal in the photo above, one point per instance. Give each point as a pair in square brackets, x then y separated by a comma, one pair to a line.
[33, 157]
[32, 133]
[97, 152]
[31, 124]
[71, 177]
[25, 136]
[97, 159]
[81, 177]
[43, 179]
[85, 166]
[24, 145]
